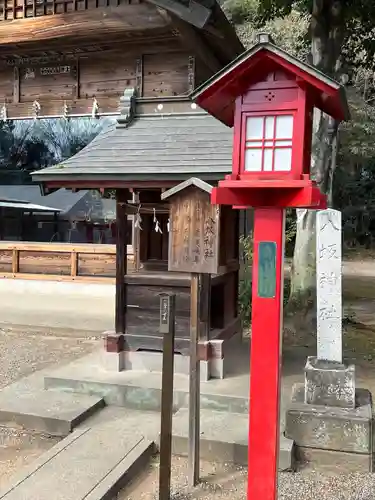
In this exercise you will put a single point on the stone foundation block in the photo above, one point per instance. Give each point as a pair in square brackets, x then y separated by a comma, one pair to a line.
[113, 361]
[329, 383]
[336, 462]
[329, 428]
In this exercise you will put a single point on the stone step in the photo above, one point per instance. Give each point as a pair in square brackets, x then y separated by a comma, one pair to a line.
[224, 438]
[53, 413]
[92, 463]
[141, 389]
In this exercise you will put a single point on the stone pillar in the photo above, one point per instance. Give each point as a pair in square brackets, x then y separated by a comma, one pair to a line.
[328, 275]
[329, 419]
[327, 380]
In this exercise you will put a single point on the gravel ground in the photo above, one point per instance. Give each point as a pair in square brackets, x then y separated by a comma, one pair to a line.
[224, 482]
[22, 353]
[18, 449]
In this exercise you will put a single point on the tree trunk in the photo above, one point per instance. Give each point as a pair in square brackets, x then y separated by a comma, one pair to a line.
[326, 30]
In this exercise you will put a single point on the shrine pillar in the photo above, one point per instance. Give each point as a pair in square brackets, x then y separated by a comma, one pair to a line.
[114, 341]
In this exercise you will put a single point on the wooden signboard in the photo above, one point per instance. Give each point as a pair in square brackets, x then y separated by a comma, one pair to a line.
[49, 81]
[193, 228]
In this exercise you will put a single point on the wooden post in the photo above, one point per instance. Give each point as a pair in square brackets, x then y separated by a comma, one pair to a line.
[204, 306]
[56, 226]
[121, 260]
[136, 238]
[194, 385]
[167, 328]
[73, 263]
[2, 223]
[15, 261]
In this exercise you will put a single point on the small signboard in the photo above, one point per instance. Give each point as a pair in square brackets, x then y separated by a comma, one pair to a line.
[267, 269]
[165, 305]
[193, 229]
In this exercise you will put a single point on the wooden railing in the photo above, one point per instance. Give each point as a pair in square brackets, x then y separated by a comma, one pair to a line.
[57, 261]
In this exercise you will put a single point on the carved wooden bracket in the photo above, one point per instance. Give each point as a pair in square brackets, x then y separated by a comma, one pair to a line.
[127, 106]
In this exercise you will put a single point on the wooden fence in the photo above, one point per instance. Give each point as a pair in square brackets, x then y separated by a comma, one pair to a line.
[58, 261]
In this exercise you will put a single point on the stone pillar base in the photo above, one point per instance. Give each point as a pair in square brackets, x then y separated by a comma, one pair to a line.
[212, 359]
[329, 383]
[331, 431]
[113, 357]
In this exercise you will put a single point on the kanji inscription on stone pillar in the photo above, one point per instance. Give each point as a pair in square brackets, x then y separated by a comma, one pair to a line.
[328, 272]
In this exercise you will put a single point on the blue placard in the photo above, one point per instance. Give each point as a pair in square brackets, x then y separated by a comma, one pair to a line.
[267, 269]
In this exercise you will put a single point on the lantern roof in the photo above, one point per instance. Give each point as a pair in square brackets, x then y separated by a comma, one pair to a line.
[218, 94]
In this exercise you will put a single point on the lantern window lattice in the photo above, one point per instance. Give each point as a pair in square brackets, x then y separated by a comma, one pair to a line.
[268, 143]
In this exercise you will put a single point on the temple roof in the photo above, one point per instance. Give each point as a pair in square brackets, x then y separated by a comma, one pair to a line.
[158, 147]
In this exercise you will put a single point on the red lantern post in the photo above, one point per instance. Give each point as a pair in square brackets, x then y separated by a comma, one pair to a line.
[268, 97]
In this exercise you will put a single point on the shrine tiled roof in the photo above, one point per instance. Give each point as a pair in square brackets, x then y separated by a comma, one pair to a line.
[152, 147]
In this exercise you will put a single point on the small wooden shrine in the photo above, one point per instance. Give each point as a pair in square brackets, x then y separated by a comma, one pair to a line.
[146, 190]
[159, 140]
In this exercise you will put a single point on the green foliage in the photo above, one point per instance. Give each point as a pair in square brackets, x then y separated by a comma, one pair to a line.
[245, 284]
[242, 11]
[290, 232]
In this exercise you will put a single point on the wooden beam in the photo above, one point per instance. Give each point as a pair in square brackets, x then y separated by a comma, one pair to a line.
[223, 34]
[16, 84]
[191, 73]
[196, 13]
[139, 76]
[82, 25]
[109, 184]
[121, 260]
[194, 41]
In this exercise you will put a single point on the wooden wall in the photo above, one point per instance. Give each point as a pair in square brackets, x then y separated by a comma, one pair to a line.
[76, 81]
[165, 74]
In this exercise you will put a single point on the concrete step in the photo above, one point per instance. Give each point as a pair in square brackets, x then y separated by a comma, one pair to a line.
[92, 463]
[224, 438]
[141, 389]
[53, 413]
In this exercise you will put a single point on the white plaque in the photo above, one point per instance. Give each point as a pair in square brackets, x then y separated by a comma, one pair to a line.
[328, 273]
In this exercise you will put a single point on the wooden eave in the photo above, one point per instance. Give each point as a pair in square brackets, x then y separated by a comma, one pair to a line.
[192, 182]
[202, 27]
[218, 94]
[222, 37]
[95, 24]
[216, 43]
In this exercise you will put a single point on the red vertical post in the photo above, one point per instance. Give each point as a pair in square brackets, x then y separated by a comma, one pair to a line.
[265, 365]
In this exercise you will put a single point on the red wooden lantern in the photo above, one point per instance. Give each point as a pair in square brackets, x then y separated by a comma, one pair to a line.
[268, 96]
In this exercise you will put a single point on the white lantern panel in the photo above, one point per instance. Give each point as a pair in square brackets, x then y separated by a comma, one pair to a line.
[268, 144]
[270, 126]
[284, 127]
[267, 160]
[254, 128]
[283, 160]
[253, 160]
[284, 143]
